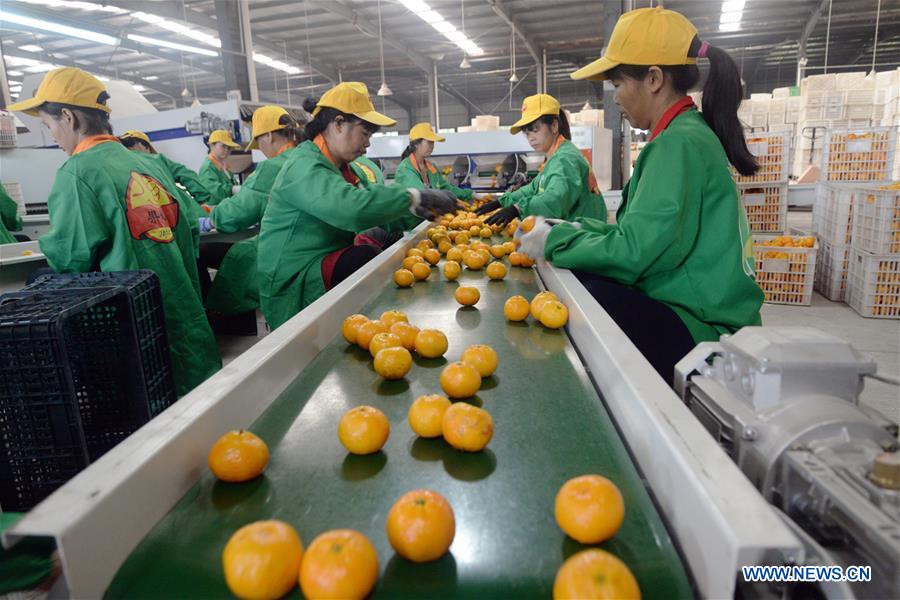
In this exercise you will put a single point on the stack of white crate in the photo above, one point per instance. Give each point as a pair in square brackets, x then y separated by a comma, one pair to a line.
[779, 111]
[887, 105]
[815, 91]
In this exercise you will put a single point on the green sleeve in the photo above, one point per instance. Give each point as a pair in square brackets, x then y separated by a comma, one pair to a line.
[642, 242]
[562, 182]
[78, 225]
[443, 184]
[407, 177]
[520, 195]
[9, 212]
[190, 180]
[348, 207]
[215, 182]
[245, 209]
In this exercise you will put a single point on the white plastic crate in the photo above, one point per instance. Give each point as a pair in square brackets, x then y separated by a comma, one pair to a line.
[860, 96]
[859, 155]
[834, 112]
[833, 213]
[832, 262]
[772, 152]
[7, 130]
[873, 284]
[876, 221]
[765, 205]
[835, 98]
[785, 273]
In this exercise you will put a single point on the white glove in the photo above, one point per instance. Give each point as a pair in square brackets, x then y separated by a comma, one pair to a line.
[574, 224]
[235, 189]
[533, 242]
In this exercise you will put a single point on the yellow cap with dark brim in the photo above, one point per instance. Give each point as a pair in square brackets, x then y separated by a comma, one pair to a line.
[266, 119]
[223, 137]
[644, 37]
[67, 85]
[424, 131]
[137, 135]
[534, 108]
[352, 97]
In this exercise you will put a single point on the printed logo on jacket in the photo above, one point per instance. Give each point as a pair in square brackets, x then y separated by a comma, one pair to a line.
[151, 211]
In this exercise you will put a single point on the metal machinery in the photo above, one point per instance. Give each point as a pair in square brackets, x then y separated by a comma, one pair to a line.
[692, 520]
[784, 404]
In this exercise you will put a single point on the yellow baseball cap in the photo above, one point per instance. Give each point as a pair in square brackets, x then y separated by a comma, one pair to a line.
[646, 36]
[266, 119]
[534, 108]
[220, 135]
[134, 133]
[67, 85]
[424, 131]
[352, 97]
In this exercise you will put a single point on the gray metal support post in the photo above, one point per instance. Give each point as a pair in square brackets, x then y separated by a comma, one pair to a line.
[612, 118]
[247, 37]
[233, 63]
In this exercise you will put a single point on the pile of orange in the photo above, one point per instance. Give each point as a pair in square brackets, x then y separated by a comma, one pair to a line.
[545, 308]
[391, 339]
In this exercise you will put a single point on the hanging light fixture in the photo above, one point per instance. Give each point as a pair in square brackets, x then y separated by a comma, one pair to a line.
[465, 61]
[384, 90]
[513, 78]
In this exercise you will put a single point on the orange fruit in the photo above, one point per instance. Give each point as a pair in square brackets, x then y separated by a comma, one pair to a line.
[426, 415]
[466, 295]
[420, 526]
[407, 333]
[527, 261]
[485, 254]
[474, 230]
[350, 327]
[452, 235]
[431, 343]
[482, 357]
[381, 341]
[261, 560]
[424, 245]
[595, 574]
[486, 232]
[516, 308]
[444, 246]
[527, 225]
[432, 256]
[393, 362]
[498, 251]
[554, 314]
[389, 317]
[415, 252]
[367, 331]
[238, 456]
[421, 271]
[515, 259]
[589, 509]
[451, 270]
[460, 380]
[509, 247]
[454, 254]
[496, 270]
[404, 278]
[467, 427]
[537, 303]
[363, 430]
[340, 563]
[462, 238]
[473, 260]
[409, 261]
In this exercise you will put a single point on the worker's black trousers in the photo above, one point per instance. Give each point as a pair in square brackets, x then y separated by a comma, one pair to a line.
[656, 330]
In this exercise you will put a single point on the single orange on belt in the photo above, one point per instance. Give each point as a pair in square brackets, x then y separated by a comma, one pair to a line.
[389, 317]
[409, 261]
[537, 303]
[261, 560]
[368, 330]
[404, 278]
[482, 357]
[421, 271]
[431, 343]
[350, 327]
[516, 308]
[554, 314]
[496, 270]
[421, 526]
[426, 415]
[363, 430]
[589, 508]
[383, 340]
[467, 427]
[467, 295]
[341, 563]
[595, 574]
[238, 456]
[407, 333]
[393, 362]
[452, 270]
[432, 256]
[460, 380]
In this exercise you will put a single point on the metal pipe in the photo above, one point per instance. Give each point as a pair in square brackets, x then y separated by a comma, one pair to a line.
[247, 38]
[544, 69]
[437, 99]
[804, 37]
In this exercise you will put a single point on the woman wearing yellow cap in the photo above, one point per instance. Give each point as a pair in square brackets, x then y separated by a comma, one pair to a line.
[138, 141]
[215, 174]
[306, 240]
[676, 268]
[110, 210]
[235, 289]
[566, 187]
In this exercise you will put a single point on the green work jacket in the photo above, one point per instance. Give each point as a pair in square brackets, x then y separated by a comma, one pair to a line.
[9, 218]
[216, 181]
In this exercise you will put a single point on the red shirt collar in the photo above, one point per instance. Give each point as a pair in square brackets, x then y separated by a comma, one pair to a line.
[683, 105]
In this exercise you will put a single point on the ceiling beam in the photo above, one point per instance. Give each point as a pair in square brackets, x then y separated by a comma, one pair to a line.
[530, 45]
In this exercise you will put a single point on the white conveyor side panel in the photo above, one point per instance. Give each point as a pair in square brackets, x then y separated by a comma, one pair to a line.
[719, 520]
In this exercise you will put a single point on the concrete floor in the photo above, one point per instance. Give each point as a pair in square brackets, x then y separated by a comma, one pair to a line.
[879, 338]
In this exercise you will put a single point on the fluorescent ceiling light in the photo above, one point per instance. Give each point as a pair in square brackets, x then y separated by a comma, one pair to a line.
[30, 48]
[731, 17]
[179, 28]
[172, 45]
[15, 73]
[15, 89]
[471, 47]
[150, 78]
[101, 77]
[90, 6]
[275, 64]
[18, 61]
[13, 82]
[40, 68]
[84, 34]
[138, 87]
[456, 36]
[415, 6]
[444, 27]
[733, 5]
[431, 16]
[729, 26]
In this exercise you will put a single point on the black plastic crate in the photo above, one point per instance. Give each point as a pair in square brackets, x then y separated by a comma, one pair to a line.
[72, 376]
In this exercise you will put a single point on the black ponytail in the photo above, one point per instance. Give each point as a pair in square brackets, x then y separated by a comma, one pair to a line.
[326, 115]
[410, 148]
[292, 130]
[722, 94]
[563, 121]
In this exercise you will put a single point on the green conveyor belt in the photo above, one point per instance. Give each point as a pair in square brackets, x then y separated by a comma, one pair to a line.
[550, 425]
